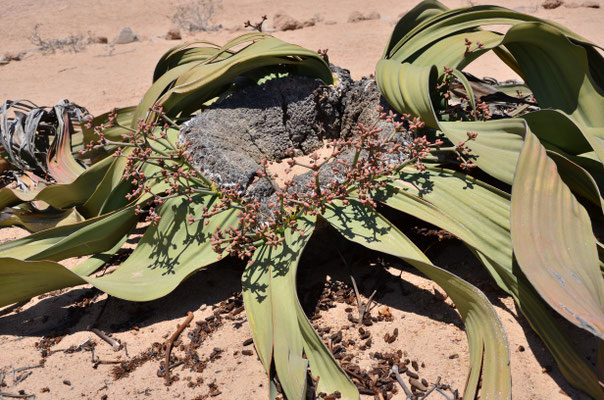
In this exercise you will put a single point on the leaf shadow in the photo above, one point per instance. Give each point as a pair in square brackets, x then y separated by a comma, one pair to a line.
[174, 236]
[62, 312]
[276, 262]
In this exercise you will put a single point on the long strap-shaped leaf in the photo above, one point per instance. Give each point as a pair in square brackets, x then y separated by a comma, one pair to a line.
[165, 256]
[79, 239]
[546, 55]
[407, 89]
[190, 51]
[59, 161]
[186, 77]
[489, 348]
[555, 62]
[554, 242]
[206, 80]
[270, 310]
[104, 192]
[60, 196]
[479, 215]
[581, 183]
[167, 253]
[182, 54]
[415, 17]
[35, 220]
[436, 22]
[280, 329]
[110, 194]
[124, 119]
[475, 212]
[577, 127]
[111, 216]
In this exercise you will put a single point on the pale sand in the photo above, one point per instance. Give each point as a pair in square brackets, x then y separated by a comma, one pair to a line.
[101, 77]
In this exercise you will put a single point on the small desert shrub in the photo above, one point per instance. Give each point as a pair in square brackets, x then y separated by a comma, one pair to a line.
[197, 15]
[73, 43]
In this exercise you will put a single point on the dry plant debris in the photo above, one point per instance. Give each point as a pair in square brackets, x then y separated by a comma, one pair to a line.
[197, 15]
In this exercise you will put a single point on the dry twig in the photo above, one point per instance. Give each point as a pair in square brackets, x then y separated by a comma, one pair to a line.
[21, 378]
[114, 343]
[18, 396]
[170, 343]
[400, 380]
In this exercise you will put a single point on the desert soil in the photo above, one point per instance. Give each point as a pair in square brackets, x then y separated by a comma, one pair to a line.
[48, 331]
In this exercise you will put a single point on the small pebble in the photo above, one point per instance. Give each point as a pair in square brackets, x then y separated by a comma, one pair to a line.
[418, 385]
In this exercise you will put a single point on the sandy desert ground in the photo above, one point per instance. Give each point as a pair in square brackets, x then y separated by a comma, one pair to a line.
[49, 329]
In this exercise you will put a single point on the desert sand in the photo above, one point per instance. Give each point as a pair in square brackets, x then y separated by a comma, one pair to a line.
[102, 76]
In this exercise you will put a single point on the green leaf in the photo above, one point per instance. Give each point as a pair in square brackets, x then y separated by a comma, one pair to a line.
[83, 238]
[452, 52]
[114, 133]
[186, 78]
[407, 87]
[556, 128]
[479, 215]
[97, 260]
[110, 194]
[489, 349]
[544, 54]
[281, 335]
[167, 253]
[556, 63]
[496, 147]
[473, 211]
[60, 196]
[269, 293]
[210, 77]
[565, 84]
[416, 17]
[439, 24]
[35, 220]
[554, 242]
[165, 256]
[577, 179]
[22, 280]
[183, 54]
[105, 191]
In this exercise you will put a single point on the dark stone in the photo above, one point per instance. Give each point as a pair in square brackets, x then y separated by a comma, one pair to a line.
[125, 36]
[283, 22]
[173, 34]
[551, 4]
